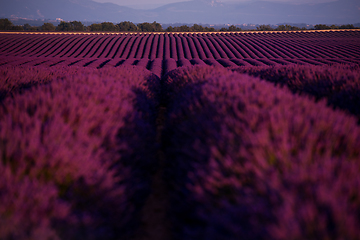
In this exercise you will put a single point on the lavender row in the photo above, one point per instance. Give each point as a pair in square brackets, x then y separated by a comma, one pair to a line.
[16, 79]
[177, 46]
[338, 84]
[248, 160]
[76, 154]
[162, 64]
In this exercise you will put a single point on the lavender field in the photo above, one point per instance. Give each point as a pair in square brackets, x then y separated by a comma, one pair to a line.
[163, 52]
[180, 136]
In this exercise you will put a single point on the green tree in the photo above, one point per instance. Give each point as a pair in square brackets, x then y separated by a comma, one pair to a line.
[184, 28]
[197, 28]
[288, 27]
[109, 27]
[77, 26]
[207, 29]
[150, 27]
[347, 26]
[321, 27]
[5, 24]
[95, 27]
[65, 26]
[281, 28]
[157, 27]
[17, 28]
[71, 26]
[170, 29]
[34, 28]
[27, 27]
[48, 27]
[264, 28]
[294, 28]
[127, 26]
[145, 27]
[233, 28]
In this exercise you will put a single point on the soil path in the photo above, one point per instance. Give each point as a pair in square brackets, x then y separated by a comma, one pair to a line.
[154, 223]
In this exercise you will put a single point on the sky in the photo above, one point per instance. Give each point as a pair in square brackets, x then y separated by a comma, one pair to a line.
[149, 4]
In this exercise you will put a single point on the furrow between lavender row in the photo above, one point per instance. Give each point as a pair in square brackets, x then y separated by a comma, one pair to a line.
[176, 46]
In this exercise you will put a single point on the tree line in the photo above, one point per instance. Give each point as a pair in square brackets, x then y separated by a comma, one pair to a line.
[77, 26]
[127, 26]
[287, 27]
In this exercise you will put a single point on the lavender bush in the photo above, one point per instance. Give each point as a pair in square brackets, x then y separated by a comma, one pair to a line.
[247, 160]
[339, 84]
[174, 81]
[20, 78]
[77, 155]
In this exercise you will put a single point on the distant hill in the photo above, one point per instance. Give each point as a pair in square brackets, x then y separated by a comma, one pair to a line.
[196, 11]
[83, 10]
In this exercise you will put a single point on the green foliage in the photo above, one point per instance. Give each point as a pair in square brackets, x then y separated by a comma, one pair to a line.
[321, 27]
[347, 26]
[17, 28]
[71, 26]
[5, 24]
[324, 26]
[48, 27]
[334, 27]
[264, 27]
[169, 29]
[145, 27]
[150, 27]
[104, 26]
[282, 28]
[127, 27]
[157, 27]
[207, 29]
[288, 27]
[184, 28]
[27, 27]
[33, 28]
[95, 27]
[109, 27]
[194, 28]
[197, 28]
[77, 26]
[64, 26]
[232, 28]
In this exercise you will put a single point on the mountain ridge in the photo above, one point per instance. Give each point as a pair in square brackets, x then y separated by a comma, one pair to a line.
[200, 11]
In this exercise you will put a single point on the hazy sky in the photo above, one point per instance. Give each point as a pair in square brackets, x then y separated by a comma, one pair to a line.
[148, 4]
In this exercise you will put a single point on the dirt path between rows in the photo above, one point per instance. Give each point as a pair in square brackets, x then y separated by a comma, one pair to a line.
[154, 223]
